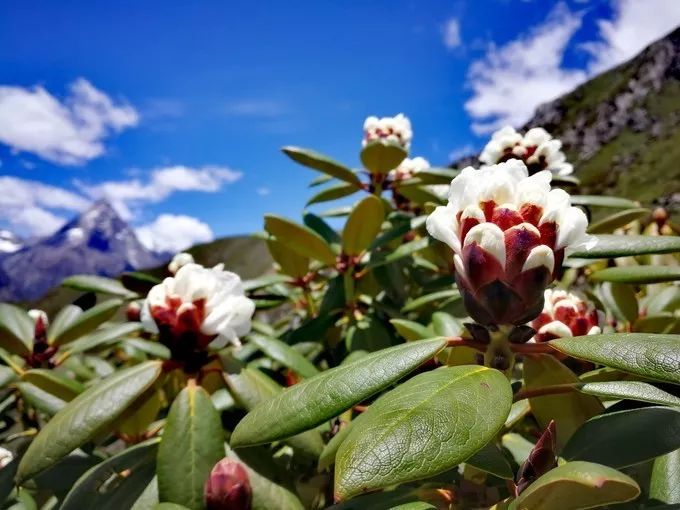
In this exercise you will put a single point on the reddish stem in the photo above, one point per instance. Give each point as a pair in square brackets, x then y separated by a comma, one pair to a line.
[458, 341]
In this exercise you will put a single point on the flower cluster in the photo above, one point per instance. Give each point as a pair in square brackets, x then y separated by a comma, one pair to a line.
[409, 168]
[395, 130]
[537, 148]
[509, 232]
[565, 314]
[197, 307]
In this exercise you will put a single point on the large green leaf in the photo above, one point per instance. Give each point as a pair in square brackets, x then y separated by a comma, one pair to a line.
[86, 322]
[192, 443]
[87, 416]
[603, 201]
[313, 401]
[16, 330]
[426, 426]
[649, 355]
[53, 382]
[318, 225]
[610, 245]
[250, 388]
[403, 251]
[290, 262]
[631, 390]
[63, 320]
[617, 220]
[116, 482]
[441, 295]
[103, 337]
[491, 460]
[299, 239]
[665, 483]
[569, 410]
[317, 161]
[42, 400]
[620, 299]
[91, 283]
[284, 354]
[637, 274]
[614, 439]
[363, 225]
[333, 192]
[378, 157]
[577, 486]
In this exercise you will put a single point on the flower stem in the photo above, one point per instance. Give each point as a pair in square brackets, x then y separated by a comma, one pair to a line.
[538, 348]
[458, 341]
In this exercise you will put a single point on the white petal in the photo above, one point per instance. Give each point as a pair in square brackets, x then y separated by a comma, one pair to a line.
[442, 225]
[540, 256]
[556, 328]
[147, 321]
[473, 211]
[595, 330]
[490, 237]
[571, 229]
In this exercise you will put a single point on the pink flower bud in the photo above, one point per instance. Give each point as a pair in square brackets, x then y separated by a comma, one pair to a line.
[228, 487]
[133, 312]
[565, 314]
[509, 233]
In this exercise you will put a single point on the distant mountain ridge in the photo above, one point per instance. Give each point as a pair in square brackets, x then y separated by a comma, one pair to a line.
[621, 129]
[97, 242]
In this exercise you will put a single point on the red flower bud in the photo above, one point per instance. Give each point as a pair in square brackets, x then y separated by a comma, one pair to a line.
[565, 314]
[228, 487]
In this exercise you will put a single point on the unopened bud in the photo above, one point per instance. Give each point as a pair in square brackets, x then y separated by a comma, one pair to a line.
[228, 487]
[541, 459]
[133, 311]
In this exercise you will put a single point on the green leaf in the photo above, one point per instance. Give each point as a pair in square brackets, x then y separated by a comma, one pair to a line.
[419, 302]
[385, 500]
[403, 251]
[91, 283]
[411, 330]
[251, 388]
[291, 263]
[85, 417]
[614, 439]
[649, 355]
[104, 337]
[363, 225]
[86, 322]
[609, 246]
[40, 399]
[192, 443]
[435, 175]
[268, 492]
[422, 428]
[63, 320]
[491, 460]
[617, 220]
[53, 382]
[620, 299]
[284, 354]
[299, 239]
[603, 201]
[327, 457]
[380, 158]
[317, 161]
[665, 483]
[637, 274]
[264, 281]
[569, 410]
[333, 193]
[577, 486]
[313, 401]
[16, 330]
[116, 482]
[630, 390]
[318, 225]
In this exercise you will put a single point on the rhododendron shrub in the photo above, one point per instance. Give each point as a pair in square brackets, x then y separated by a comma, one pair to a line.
[484, 338]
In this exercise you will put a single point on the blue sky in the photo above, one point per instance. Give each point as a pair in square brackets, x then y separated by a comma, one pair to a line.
[180, 108]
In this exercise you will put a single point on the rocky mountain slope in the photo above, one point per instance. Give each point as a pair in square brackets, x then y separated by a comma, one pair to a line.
[621, 129]
[96, 242]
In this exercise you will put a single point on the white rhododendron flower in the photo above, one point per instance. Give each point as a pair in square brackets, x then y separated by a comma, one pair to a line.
[5, 457]
[208, 304]
[179, 260]
[38, 316]
[509, 232]
[409, 167]
[537, 148]
[565, 314]
[395, 130]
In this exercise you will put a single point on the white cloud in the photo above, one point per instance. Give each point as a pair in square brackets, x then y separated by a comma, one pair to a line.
[263, 192]
[452, 34]
[162, 183]
[635, 24]
[511, 80]
[27, 205]
[174, 233]
[68, 132]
